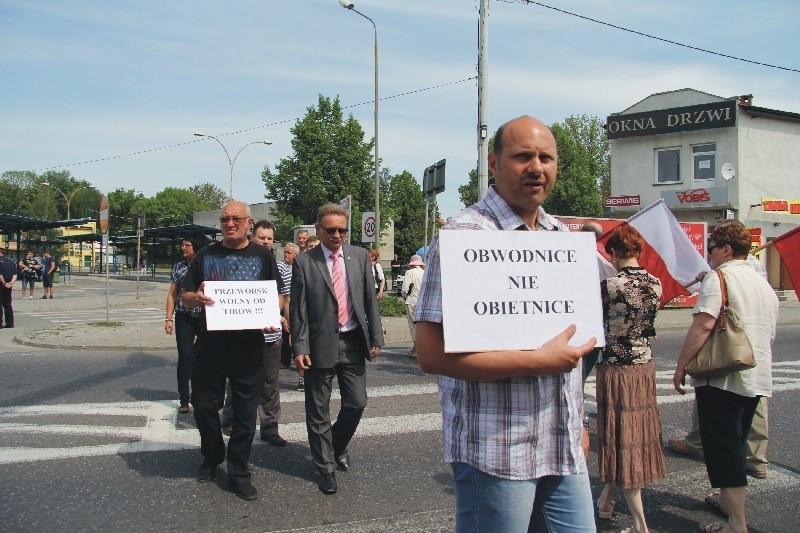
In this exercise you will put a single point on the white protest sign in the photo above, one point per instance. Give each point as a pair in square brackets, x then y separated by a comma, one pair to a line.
[515, 290]
[242, 305]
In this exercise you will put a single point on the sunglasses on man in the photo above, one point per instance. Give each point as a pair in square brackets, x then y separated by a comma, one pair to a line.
[331, 231]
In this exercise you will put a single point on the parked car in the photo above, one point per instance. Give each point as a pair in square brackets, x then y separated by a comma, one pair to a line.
[397, 282]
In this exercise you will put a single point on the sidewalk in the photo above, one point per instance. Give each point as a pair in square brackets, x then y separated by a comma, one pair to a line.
[87, 293]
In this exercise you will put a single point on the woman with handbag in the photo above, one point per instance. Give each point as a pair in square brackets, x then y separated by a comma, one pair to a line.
[726, 403]
[631, 452]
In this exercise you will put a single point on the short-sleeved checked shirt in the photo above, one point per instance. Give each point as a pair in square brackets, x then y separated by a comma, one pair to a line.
[178, 273]
[285, 272]
[515, 428]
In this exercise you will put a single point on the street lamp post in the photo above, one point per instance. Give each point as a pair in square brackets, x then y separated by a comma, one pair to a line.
[68, 199]
[231, 162]
[349, 5]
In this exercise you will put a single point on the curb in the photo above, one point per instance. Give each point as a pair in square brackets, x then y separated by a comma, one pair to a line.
[87, 348]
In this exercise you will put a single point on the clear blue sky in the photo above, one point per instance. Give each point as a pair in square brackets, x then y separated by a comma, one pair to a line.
[84, 81]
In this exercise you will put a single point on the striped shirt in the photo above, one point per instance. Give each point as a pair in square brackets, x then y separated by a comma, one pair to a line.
[285, 273]
[515, 428]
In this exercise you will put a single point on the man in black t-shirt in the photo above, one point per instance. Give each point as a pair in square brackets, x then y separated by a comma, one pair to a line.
[48, 267]
[233, 355]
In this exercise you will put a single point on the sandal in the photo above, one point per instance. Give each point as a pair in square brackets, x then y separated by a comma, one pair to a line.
[714, 499]
[715, 527]
[605, 515]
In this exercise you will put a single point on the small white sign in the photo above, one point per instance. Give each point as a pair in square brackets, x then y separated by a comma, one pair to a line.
[242, 305]
[704, 163]
[516, 290]
[368, 226]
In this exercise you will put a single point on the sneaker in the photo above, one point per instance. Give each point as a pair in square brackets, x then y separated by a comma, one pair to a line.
[184, 408]
[301, 385]
[43, 297]
[51, 296]
[682, 447]
[206, 472]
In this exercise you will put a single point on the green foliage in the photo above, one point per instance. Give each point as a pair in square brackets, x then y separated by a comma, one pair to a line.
[209, 195]
[405, 205]
[27, 193]
[171, 207]
[330, 161]
[391, 306]
[120, 210]
[19, 189]
[577, 191]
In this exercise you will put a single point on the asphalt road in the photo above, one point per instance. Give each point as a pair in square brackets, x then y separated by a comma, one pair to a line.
[91, 440]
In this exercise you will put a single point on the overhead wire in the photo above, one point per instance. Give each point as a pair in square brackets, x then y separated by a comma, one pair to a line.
[149, 150]
[642, 34]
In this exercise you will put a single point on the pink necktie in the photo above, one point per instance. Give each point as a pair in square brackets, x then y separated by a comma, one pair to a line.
[339, 288]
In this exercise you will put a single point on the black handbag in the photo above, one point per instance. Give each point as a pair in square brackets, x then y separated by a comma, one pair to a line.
[727, 349]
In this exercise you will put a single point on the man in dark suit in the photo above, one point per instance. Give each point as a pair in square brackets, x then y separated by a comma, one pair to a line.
[335, 327]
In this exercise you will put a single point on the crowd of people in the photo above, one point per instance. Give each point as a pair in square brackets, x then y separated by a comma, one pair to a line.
[28, 271]
[513, 420]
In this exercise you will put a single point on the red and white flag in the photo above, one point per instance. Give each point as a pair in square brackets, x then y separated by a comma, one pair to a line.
[788, 245]
[667, 253]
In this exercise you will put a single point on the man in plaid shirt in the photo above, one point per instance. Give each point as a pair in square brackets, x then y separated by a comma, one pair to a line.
[512, 420]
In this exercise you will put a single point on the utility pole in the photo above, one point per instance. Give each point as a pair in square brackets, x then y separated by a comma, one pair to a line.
[483, 100]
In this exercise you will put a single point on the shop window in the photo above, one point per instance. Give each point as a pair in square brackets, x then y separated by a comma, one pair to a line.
[703, 161]
[668, 165]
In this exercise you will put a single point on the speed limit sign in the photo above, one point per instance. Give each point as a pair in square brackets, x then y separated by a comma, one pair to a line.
[368, 226]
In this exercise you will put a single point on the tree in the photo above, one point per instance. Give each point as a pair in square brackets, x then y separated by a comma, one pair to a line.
[577, 191]
[408, 212]
[589, 136]
[330, 161]
[84, 199]
[19, 191]
[171, 207]
[122, 217]
[209, 195]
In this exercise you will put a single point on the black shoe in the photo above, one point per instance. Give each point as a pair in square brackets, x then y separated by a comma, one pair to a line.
[274, 439]
[43, 298]
[327, 483]
[245, 491]
[343, 460]
[206, 472]
[9, 326]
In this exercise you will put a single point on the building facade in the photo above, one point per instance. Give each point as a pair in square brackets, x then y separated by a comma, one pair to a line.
[710, 159]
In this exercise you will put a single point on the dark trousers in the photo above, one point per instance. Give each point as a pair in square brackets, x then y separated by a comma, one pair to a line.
[269, 404]
[325, 440]
[244, 367]
[5, 307]
[186, 329]
[725, 418]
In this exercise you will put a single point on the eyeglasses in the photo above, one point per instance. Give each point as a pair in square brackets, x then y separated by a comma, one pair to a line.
[711, 246]
[331, 231]
[184, 245]
[236, 220]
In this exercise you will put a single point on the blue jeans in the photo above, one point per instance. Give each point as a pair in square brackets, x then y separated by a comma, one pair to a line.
[553, 503]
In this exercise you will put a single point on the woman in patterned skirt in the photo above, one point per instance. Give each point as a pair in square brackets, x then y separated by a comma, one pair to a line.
[628, 424]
